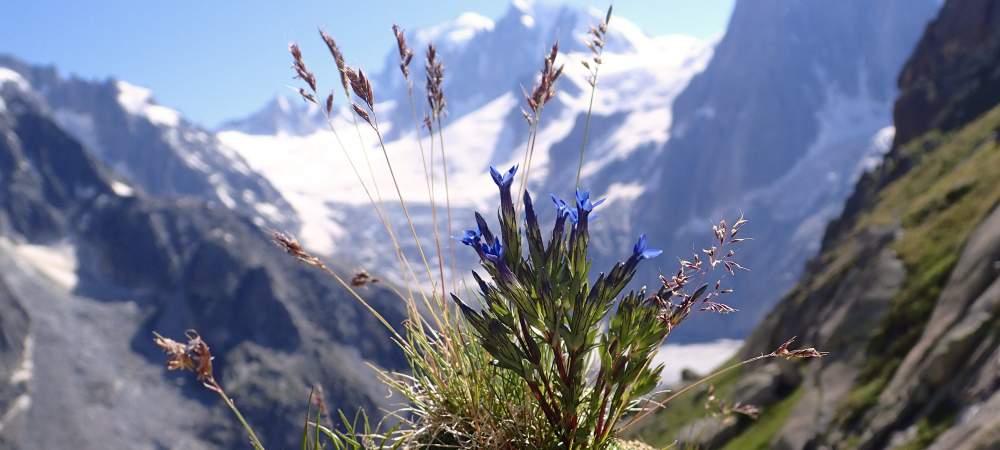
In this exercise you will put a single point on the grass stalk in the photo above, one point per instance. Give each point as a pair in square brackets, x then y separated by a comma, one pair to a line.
[447, 197]
[407, 268]
[217, 388]
[661, 404]
[586, 126]
[402, 201]
[429, 178]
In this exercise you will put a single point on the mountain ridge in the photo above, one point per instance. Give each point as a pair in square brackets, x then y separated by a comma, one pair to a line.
[93, 268]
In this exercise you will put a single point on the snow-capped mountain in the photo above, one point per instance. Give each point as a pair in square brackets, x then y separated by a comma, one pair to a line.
[640, 77]
[777, 120]
[282, 115]
[92, 266]
[152, 146]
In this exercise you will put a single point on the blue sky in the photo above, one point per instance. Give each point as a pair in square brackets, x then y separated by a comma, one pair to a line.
[215, 60]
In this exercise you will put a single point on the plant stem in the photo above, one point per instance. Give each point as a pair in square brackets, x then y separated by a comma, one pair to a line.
[429, 179]
[399, 193]
[377, 205]
[586, 126]
[447, 198]
[528, 154]
[687, 388]
[215, 386]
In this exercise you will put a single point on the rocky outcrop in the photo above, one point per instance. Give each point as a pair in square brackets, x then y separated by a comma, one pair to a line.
[905, 294]
[15, 362]
[151, 146]
[952, 76]
[135, 264]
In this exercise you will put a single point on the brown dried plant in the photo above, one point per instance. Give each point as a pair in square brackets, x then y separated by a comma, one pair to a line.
[196, 357]
[405, 54]
[596, 45]
[718, 407]
[541, 93]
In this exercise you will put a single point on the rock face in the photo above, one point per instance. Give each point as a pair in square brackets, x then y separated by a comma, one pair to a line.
[795, 101]
[15, 354]
[91, 266]
[905, 294]
[938, 94]
[152, 146]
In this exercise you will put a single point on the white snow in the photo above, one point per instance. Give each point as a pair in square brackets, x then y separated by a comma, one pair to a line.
[314, 174]
[26, 370]
[19, 405]
[224, 197]
[57, 262]
[81, 126]
[703, 358]
[456, 32]
[139, 101]
[880, 145]
[122, 189]
[523, 5]
[10, 76]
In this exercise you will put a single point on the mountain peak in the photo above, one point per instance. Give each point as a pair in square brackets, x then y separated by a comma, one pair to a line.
[137, 100]
[12, 77]
[457, 31]
[280, 115]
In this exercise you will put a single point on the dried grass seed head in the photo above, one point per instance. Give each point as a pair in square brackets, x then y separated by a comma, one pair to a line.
[545, 89]
[177, 356]
[405, 54]
[784, 352]
[338, 57]
[195, 356]
[299, 66]
[434, 71]
[362, 87]
[292, 247]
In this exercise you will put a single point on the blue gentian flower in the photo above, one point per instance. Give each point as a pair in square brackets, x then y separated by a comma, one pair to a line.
[471, 238]
[563, 209]
[583, 201]
[493, 252]
[640, 250]
[505, 180]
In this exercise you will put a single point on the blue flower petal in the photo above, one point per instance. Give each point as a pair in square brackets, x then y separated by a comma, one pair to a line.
[497, 178]
[650, 253]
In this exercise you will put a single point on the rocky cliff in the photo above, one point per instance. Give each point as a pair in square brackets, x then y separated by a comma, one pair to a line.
[152, 146]
[905, 294]
[794, 105]
[91, 266]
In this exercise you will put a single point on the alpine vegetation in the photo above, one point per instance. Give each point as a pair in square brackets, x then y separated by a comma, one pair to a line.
[545, 353]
